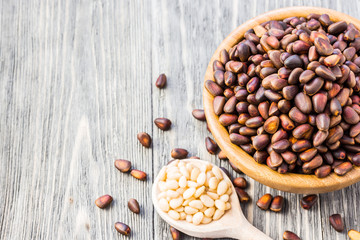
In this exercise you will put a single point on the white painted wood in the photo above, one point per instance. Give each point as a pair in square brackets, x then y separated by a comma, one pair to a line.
[77, 85]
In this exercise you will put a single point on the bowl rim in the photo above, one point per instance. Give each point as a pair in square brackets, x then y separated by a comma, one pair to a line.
[289, 182]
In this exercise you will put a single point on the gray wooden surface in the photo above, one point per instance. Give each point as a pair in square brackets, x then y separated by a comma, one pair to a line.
[77, 85]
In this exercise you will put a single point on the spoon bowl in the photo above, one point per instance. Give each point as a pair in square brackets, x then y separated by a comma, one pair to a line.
[232, 224]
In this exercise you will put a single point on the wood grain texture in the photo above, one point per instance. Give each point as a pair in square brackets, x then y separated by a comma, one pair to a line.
[77, 85]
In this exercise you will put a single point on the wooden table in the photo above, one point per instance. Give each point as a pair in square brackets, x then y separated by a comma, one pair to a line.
[77, 85]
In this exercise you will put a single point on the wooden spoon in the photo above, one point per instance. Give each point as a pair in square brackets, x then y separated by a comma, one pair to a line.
[232, 224]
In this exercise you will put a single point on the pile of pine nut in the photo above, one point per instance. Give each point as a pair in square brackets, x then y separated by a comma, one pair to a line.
[192, 193]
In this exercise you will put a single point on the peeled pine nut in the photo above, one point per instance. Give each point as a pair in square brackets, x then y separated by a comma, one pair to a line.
[199, 191]
[176, 202]
[217, 172]
[189, 193]
[174, 214]
[172, 194]
[162, 174]
[213, 195]
[213, 182]
[179, 209]
[222, 187]
[227, 206]
[197, 218]
[210, 212]
[186, 202]
[207, 201]
[192, 184]
[196, 204]
[190, 210]
[189, 167]
[172, 184]
[198, 195]
[206, 220]
[182, 216]
[194, 174]
[184, 172]
[224, 198]
[180, 190]
[182, 182]
[201, 178]
[162, 195]
[164, 205]
[203, 209]
[218, 214]
[175, 175]
[220, 205]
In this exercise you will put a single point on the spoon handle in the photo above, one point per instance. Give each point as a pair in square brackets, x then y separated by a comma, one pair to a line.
[246, 231]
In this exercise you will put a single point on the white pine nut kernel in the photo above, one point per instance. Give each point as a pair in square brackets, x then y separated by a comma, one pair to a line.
[182, 182]
[196, 193]
[197, 218]
[172, 194]
[162, 186]
[181, 190]
[190, 210]
[186, 202]
[206, 220]
[228, 182]
[184, 172]
[218, 214]
[199, 191]
[207, 201]
[203, 168]
[189, 218]
[189, 193]
[203, 209]
[162, 174]
[209, 212]
[194, 174]
[222, 187]
[179, 209]
[196, 204]
[213, 195]
[162, 195]
[217, 172]
[174, 214]
[219, 204]
[172, 184]
[181, 164]
[201, 179]
[176, 202]
[209, 175]
[213, 182]
[189, 167]
[172, 169]
[182, 216]
[209, 166]
[191, 184]
[224, 198]
[164, 205]
[175, 175]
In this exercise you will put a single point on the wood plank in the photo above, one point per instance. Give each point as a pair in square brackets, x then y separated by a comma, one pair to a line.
[70, 115]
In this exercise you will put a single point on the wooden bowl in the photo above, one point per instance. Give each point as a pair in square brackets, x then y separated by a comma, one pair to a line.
[289, 182]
